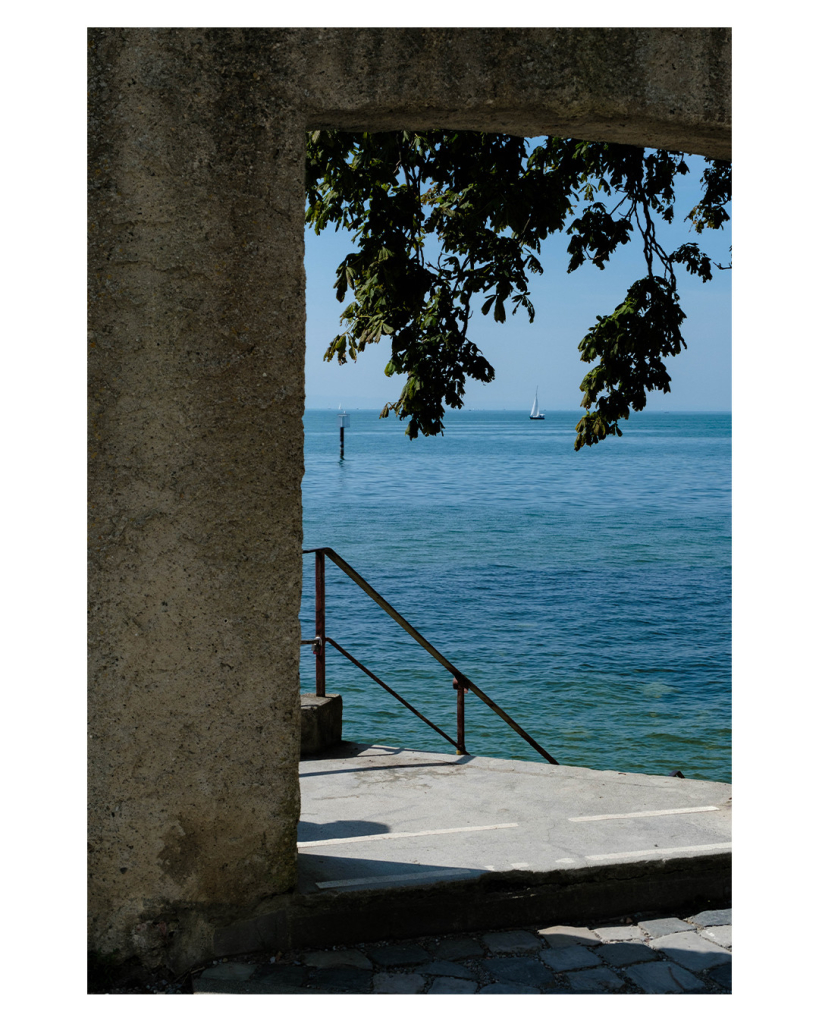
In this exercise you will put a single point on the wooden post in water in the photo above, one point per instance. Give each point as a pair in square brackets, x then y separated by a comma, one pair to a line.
[343, 421]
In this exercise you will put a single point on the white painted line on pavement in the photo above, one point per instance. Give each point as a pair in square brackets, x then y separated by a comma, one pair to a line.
[340, 882]
[645, 814]
[672, 849]
[404, 835]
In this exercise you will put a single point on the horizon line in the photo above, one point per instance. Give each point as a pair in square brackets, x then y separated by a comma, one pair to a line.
[476, 408]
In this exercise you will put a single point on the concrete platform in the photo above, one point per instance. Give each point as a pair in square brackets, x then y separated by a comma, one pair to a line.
[385, 817]
[396, 843]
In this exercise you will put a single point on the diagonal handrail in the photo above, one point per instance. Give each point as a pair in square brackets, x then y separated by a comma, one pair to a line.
[461, 681]
[389, 689]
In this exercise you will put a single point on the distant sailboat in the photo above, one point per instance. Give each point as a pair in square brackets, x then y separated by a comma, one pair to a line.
[536, 414]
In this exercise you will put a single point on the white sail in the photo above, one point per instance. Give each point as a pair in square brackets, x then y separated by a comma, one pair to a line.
[535, 411]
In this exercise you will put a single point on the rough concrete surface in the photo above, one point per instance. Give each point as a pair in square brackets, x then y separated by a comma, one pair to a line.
[196, 392]
[321, 722]
[668, 88]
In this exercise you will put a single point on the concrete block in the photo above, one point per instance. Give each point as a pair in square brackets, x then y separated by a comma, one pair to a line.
[321, 719]
[458, 948]
[343, 979]
[398, 984]
[445, 969]
[663, 978]
[620, 933]
[452, 987]
[520, 970]
[251, 987]
[564, 935]
[598, 979]
[512, 942]
[691, 950]
[657, 927]
[721, 934]
[506, 988]
[722, 976]
[618, 954]
[273, 978]
[709, 918]
[569, 958]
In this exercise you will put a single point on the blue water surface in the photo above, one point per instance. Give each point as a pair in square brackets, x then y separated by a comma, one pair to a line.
[587, 593]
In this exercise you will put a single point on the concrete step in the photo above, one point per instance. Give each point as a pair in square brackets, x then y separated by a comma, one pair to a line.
[400, 843]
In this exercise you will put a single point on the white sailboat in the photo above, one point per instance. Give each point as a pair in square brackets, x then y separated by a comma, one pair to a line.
[536, 414]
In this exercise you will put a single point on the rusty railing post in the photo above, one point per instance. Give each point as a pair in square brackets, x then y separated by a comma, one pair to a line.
[460, 689]
[460, 682]
[319, 647]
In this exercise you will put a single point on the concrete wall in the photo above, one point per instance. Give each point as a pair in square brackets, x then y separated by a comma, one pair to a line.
[196, 380]
[668, 88]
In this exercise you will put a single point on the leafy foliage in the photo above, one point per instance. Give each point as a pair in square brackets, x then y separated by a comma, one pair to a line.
[446, 220]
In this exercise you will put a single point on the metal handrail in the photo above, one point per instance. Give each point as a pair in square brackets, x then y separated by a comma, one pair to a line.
[460, 682]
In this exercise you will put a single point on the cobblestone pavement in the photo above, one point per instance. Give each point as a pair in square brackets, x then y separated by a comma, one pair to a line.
[639, 954]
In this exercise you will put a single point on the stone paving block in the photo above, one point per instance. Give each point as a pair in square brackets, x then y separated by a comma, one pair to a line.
[712, 917]
[253, 986]
[691, 950]
[457, 948]
[228, 972]
[618, 954]
[337, 958]
[452, 987]
[399, 955]
[722, 976]
[285, 976]
[569, 958]
[398, 984]
[342, 979]
[660, 978]
[621, 933]
[512, 942]
[565, 935]
[521, 970]
[598, 979]
[447, 969]
[721, 934]
[659, 926]
[268, 986]
[501, 988]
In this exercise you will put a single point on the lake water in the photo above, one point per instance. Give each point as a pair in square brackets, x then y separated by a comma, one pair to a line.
[587, 593]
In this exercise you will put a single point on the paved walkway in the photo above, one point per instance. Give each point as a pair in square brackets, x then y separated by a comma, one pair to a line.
[639, 954]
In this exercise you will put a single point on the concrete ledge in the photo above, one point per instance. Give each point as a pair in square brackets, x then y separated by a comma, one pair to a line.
[492, 901]
[321, 720]
[539, 844]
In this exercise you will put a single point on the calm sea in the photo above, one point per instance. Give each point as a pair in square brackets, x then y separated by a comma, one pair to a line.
[587, 593]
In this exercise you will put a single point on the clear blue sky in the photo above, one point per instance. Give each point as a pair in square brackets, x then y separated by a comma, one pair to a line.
[543, 353]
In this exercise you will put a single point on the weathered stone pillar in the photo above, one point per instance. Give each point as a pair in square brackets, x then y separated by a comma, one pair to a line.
[197, 392]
